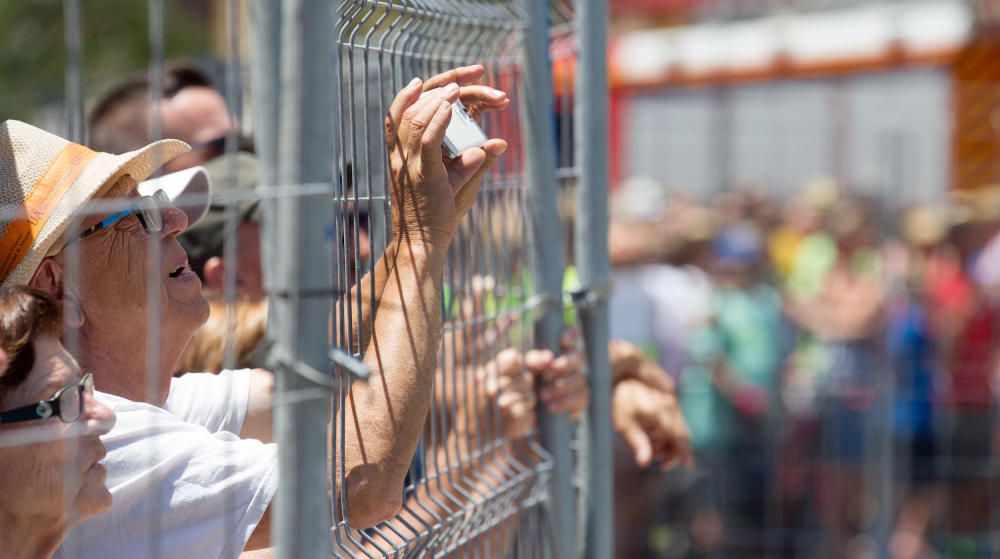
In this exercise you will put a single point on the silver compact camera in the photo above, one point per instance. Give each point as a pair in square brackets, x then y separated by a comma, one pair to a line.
[463, 132]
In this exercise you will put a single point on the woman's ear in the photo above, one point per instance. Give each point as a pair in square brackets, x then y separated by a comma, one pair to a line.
[49, 278]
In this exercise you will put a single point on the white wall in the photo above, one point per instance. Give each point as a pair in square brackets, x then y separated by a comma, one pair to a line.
[886, 133]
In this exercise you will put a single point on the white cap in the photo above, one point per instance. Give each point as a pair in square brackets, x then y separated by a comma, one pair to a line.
[190, 190]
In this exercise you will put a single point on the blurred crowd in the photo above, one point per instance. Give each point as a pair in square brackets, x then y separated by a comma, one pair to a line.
[835, 360]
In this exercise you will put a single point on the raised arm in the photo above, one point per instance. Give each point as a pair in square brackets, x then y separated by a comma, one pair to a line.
[386, 415]
[429, 197]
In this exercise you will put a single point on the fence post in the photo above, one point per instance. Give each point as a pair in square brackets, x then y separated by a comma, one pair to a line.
[296, 123]
[75, 126]
[265, 45]
[591, 233]
[548, 258]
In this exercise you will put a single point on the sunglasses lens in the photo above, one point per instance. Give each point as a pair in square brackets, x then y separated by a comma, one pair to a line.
[151, 211]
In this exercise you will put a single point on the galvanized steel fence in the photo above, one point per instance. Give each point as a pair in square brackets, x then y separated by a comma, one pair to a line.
[470, 490]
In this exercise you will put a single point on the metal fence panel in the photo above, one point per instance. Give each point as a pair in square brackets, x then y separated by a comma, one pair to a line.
[470, 490]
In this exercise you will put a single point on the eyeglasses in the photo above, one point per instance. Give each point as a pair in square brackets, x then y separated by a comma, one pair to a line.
[148, 209]
[67, 404]
[217, 146]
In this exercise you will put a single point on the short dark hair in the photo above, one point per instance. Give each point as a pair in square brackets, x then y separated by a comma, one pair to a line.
[119, 122]
[25, 314]
[180, 74]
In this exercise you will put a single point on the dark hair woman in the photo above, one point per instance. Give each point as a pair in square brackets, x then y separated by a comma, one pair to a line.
[50, 426]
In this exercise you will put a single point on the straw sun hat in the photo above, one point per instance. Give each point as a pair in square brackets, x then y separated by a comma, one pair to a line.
[45, 180]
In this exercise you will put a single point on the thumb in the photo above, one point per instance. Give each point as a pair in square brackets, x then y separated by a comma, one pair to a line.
[470, 169]
[466, 167]
[637, 440]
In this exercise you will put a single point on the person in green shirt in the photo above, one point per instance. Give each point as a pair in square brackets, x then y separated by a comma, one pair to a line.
[730, 393]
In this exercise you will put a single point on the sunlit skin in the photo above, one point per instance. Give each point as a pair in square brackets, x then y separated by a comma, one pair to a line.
[50, 486]
[110, 301]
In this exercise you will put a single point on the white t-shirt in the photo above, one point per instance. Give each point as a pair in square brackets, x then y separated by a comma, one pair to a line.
[682, 303]
[631, 309]
[216, 402]
[180, 491]
[657, 306]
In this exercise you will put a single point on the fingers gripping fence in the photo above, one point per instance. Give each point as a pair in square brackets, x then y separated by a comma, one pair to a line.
[482, 482]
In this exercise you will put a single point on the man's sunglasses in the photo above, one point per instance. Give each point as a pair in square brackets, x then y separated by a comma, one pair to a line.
[217, 146]
[67, 404]
[147, 208]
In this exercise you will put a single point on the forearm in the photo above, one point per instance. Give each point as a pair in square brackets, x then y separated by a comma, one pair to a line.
[629, 362]
[386, 414]
[470, 460]
[360, 301]
[624, 358]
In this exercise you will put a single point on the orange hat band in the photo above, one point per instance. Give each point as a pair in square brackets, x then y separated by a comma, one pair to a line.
[39, 204]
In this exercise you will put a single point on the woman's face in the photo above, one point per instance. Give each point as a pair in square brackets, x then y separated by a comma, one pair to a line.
[58, 477]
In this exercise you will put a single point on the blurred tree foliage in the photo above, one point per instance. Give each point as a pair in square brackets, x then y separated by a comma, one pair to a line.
[115, 45]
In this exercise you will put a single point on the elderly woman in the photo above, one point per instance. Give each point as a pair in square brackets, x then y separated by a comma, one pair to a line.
[49, 429]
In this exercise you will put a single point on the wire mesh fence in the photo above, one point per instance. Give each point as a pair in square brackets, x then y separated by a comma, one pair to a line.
[470, 486]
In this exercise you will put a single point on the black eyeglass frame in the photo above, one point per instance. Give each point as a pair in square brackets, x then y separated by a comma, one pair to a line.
[53, 406]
